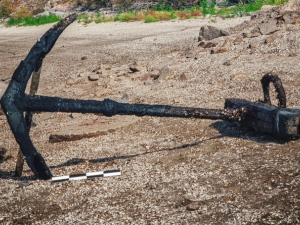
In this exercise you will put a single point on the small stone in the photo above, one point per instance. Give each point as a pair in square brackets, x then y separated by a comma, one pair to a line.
[143, 77]
[125, 98]
[154, 74]
[270, 39]
[93, 77]
[164, 73]
[74, 81]
[148, 82]
[99, 72]
[176, 100]
[136, 67]
[239, 76]
[183, 76]
[105, 70]
[207, 45]
[133, 69]
[188, 54]
[218, 50]
[254, 44]
[75, 115]
[23, 184]
[290, 27]
[84, 74]
[293, 54]
[96, 69]
[238, 40]
[83, 58]
[105, 67]
[227, 63]
[246, 34]
[193, 206]
[165, 63]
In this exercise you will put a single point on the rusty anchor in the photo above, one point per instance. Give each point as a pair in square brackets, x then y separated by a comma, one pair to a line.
[260, 116]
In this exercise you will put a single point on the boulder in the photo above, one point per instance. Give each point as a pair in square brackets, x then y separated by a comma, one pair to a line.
[268, 27]
[291, 18]
[290, 6]
[211, 32]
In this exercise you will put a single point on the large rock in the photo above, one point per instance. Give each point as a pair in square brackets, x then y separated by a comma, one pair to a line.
[268, 28]
[91, 128]
[291, 6]
[211, 32]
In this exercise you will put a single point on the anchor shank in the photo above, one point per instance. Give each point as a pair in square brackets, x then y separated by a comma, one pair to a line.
[109, 108]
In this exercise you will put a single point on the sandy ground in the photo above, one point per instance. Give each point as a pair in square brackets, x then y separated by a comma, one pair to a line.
[174, 171]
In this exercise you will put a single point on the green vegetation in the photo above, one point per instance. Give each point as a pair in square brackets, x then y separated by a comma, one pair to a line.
[242, 9]
[166, 12]
[153, 14]
[33, 21]
[151, 19]
[208, 7]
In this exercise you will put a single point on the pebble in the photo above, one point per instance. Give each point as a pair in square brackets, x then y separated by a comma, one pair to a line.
[93, 77]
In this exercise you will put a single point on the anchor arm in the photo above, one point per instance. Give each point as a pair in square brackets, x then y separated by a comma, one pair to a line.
[12, 101]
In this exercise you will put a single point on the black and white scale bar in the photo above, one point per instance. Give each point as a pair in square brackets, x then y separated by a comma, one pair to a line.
[85, 176]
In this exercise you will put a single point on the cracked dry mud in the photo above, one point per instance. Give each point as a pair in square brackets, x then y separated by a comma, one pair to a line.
[174, 170]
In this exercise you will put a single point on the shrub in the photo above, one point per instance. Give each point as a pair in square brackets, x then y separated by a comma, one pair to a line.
[182, 15]
[208, 7]
[151, 19]
[85, 18]
[6, 8]
[125, 17]
[117, 18]
[101, 19]
[23, 12]
[195, 13]
[162, 15]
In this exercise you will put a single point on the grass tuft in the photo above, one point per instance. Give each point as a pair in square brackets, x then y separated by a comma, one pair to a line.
[33, 21]
[151, 19]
